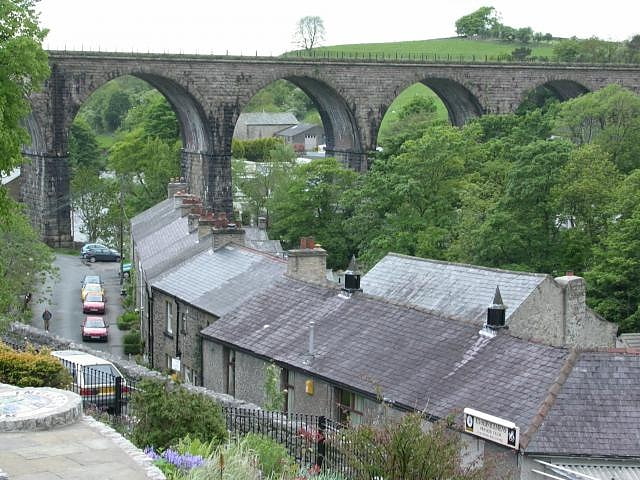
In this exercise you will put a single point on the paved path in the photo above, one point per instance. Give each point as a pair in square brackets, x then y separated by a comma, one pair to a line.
[84, 450]
[81, 449]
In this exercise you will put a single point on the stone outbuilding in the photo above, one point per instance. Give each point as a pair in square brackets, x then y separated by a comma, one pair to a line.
[538, 307]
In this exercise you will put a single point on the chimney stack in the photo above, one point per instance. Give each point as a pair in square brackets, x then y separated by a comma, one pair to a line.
[176, 185]
[189, 204]
[262, 223]
[496, 312]
[308, 263]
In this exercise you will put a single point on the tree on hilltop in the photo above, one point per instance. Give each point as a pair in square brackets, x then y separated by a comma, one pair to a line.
[309, 32]
[480, 23]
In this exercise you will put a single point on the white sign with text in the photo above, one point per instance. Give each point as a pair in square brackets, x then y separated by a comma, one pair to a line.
[491, 428]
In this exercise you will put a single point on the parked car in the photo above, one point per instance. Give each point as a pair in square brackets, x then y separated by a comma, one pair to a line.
[90, 246]
[102, 255]
[91, 279]
[94, 378]
[93, 304]
[94, 328]
[95, 288]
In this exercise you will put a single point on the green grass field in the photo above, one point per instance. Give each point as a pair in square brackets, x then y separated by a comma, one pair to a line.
[451, 49]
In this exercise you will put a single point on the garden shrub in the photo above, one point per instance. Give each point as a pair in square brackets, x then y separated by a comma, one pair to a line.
[272, 456]
[32, 369]
[132, 343]
[127, 320]
[168, 412]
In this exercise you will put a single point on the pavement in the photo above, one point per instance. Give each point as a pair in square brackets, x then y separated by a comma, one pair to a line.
[44, 436]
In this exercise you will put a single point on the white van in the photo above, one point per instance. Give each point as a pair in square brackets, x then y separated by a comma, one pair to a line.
[94, 378]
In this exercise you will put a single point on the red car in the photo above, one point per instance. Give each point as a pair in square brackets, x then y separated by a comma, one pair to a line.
[95, 328]
[93, 304]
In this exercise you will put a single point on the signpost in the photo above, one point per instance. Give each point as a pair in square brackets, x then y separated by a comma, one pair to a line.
[491, 428]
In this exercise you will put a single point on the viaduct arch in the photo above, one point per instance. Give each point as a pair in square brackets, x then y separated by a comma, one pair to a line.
[208, 94]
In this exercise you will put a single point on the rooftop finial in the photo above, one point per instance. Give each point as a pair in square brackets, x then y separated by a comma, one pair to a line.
[497, 298]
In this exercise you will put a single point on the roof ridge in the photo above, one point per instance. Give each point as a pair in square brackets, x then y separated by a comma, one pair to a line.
[550, 400]
[623, 350]
[468, 265]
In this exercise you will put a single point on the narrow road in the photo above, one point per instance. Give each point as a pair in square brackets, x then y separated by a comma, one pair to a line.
[66, 305]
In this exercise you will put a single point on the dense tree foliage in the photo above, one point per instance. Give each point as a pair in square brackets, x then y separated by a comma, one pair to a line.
[314, 202]
[23, 68]
[545, 190]
[25, 262]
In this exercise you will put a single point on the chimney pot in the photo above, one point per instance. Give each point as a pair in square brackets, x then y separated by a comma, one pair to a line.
[307, 243]
[569, 273]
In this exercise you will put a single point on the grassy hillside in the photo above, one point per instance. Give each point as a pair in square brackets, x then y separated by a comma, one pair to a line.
[464, 49]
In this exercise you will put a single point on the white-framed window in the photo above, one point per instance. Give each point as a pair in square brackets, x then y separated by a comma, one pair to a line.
[169, 316]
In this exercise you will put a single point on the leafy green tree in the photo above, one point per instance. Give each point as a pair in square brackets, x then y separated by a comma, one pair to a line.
[314, 203]
[117, 107]
[408, 202]
[479, 23]
[25, 263]
[256, 182]
[155, 116]
[614, 280]
[610, 118]
[83, 147]
[23, 68]
[91, 197]
[145, 165]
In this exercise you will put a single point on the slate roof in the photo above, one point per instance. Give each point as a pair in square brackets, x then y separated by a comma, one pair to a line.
[267, 118]
[416, 358]
[455, 290]
[597, 411]
[217, 281]
[296, 129]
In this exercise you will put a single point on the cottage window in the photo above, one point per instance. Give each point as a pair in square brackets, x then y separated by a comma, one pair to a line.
[288, 380]
[229, 371]
[349, 407]
[169, 316]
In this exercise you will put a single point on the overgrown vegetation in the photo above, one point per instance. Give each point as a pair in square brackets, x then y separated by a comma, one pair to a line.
[166, 412]
[404, 449]
[31, 368]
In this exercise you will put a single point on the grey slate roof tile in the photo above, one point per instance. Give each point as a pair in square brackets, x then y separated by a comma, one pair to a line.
[597, 412]
[217, 281]
[455, 290]
[416, 358]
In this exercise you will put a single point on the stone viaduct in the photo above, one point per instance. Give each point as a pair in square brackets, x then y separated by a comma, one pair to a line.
[208, 94]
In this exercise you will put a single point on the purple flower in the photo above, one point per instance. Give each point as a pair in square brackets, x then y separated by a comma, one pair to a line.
[185, 461]
[151, 453]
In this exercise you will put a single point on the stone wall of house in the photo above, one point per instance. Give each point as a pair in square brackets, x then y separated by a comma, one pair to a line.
[540, 316]
[319, 403]
[556, 314]
[249, 380]
[582, 326]
[164, 342]
[213, 366]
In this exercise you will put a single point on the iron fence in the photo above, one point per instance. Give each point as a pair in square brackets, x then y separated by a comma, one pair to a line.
[312, 440]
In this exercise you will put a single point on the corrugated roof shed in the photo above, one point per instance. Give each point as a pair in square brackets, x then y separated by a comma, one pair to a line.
[415, 358]
[452, 289]
[217, 281]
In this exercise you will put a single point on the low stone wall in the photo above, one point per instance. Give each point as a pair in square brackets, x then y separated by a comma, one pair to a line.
[131, 370]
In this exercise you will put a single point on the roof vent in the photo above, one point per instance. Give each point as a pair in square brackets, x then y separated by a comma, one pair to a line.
[352, 277]
[496, 312]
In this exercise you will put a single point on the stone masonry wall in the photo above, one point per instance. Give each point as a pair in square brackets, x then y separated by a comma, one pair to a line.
[209, 93]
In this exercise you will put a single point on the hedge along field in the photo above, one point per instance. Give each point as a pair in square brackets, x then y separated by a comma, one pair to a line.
[454, 48]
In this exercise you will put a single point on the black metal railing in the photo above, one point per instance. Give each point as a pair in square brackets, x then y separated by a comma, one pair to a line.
[100, 387]
[312, 440]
